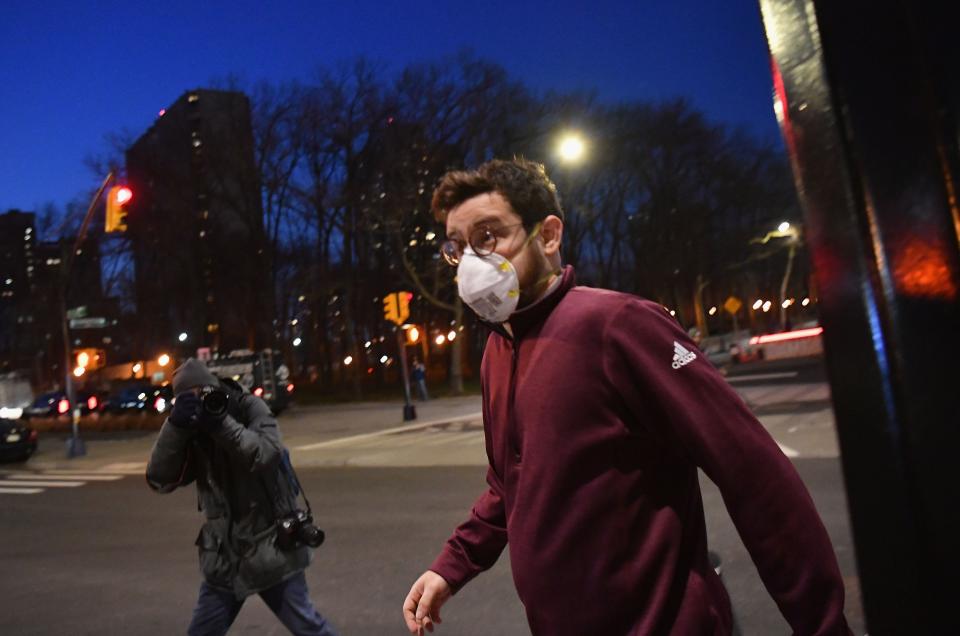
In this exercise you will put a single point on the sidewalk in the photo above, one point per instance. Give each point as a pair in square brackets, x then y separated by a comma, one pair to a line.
[299, 426]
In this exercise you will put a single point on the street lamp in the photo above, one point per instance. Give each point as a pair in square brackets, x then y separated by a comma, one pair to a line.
[163, 360]
[182, 337]
[571, 147]
[792, 234]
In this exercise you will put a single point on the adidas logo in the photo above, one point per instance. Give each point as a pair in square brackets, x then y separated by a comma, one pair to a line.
[681, 355]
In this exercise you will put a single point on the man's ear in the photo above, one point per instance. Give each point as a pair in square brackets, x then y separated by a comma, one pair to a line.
[551, 231]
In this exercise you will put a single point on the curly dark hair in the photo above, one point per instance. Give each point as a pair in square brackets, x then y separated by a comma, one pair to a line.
[524, 184]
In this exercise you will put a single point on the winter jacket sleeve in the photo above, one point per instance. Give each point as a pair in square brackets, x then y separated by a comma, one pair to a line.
[256, 446]
[477, 543]
[651, 362]
[171, 462]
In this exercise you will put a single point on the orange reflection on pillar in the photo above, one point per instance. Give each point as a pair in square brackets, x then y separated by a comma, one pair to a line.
[921, 269]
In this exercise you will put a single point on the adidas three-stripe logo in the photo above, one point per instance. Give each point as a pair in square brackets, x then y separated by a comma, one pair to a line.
[681, 355]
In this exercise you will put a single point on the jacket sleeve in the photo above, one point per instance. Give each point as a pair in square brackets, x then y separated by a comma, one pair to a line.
[695, 407]
[172, 463]
[477, 543]
[256, 446]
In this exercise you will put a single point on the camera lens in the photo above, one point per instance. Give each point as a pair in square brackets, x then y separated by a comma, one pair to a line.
[311, 535]
[215, 402]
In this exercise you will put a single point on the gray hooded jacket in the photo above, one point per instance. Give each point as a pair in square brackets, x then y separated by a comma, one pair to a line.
[241, 490]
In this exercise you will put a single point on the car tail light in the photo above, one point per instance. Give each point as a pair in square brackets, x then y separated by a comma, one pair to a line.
[92, 402]
[258, 391]
[63, 406]
[32, 437]
[160, 404]
[290, 388]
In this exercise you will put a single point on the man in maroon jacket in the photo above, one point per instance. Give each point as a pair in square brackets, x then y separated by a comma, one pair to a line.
[598, 410]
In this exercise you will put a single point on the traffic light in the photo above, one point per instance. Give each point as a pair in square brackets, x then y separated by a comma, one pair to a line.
[390, 308]
[90, 359]
[117, 200]
[404, 298]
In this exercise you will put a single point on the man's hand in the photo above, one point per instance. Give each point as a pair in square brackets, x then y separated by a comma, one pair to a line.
[422, 607]
[186, 410]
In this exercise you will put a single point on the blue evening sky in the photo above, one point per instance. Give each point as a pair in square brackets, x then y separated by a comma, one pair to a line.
[73, 71]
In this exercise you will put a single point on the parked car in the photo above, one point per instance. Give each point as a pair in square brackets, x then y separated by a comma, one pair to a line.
[48, 405]
[17, 441]
[140, 398]
[56, 403]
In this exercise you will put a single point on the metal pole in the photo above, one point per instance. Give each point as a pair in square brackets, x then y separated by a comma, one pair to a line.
[867, 99]
[75, 445]
[409, 410]
[785, 282]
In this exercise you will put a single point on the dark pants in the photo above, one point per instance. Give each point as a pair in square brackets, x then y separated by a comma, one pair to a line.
[217, 609]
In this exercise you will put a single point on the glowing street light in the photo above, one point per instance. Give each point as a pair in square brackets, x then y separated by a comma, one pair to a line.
[182, 337]
[137, 368]
[571, 148]
[79, 371]
[766, 306]
[163, 360]
[348, 360]
[383, 359]
[452, 335]
[297, 341]
[712, 311]
[783, 228]
[757, 304]
[806, 301]
[440, 339]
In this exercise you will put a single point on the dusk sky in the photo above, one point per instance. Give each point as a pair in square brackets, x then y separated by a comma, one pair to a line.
[72, 72]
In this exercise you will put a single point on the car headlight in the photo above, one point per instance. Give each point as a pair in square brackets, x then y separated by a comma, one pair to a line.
[9, 413]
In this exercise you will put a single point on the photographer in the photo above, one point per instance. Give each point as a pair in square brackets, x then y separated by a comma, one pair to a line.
[255, 539]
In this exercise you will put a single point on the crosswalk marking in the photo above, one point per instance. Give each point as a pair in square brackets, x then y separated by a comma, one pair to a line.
[20, 491]
[64, 476]
[47, 483]
[32, 483]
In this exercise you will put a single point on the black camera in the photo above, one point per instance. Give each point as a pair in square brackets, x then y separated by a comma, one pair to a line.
[296, 530]
[214, 402]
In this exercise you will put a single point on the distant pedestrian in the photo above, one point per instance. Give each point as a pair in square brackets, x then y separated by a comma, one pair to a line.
[598, 410]
[418, 375]
[245, 488]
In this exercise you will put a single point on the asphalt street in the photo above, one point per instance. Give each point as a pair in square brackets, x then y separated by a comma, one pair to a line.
[105, 555]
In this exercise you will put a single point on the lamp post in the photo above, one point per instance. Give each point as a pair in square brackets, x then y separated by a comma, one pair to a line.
[792, 233]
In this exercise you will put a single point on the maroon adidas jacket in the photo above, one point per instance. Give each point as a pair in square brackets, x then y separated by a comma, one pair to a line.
[596, 415]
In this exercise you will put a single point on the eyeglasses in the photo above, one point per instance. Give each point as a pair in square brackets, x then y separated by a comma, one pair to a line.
[482, 239]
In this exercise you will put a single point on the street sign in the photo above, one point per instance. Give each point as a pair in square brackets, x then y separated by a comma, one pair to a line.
[732, 305]
[77, 312]
[88, 323]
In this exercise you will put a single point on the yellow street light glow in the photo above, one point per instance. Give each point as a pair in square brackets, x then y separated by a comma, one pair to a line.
[348, 360]
[452, 335]
[785, 304]
[78, 371]
[440, 339]
[137, 367]
[806, 301]
[766, 306]
[757, 304]
[383, 359]
[413, 334]
[712, 311]
[83, 359]
[783, 227]
[571, 147]
[163, 360]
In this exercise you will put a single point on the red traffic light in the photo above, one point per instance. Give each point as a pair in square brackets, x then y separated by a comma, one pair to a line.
[123, 195]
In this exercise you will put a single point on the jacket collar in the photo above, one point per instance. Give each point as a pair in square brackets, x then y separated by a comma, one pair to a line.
[523, 320]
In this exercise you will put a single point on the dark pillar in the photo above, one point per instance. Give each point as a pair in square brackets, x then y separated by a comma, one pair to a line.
[867, 95]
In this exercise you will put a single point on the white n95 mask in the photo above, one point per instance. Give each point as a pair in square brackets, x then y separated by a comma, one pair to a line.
[488, 284]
